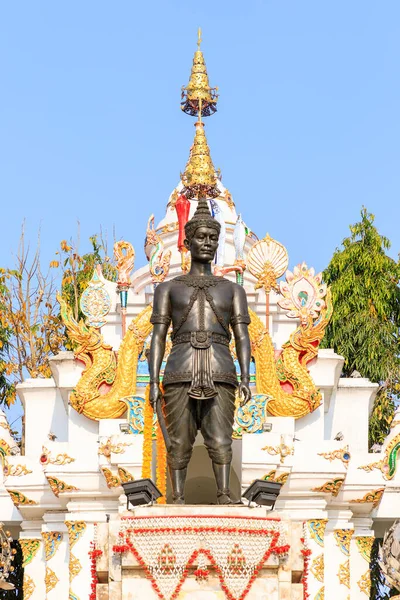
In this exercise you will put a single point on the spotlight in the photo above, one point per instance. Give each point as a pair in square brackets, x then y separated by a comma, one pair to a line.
[267, 427]
[124, 427]
[263, 492]
[141, 491]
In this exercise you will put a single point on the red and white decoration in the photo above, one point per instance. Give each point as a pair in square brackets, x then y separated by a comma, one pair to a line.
[167, 547]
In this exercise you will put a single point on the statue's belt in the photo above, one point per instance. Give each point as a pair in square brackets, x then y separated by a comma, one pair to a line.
[200, 339]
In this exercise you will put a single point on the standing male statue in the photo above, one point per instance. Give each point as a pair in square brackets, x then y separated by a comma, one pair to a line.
[200, 376]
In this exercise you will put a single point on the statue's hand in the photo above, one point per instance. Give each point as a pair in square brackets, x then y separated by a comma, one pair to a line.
[244, 392]
[155, 395]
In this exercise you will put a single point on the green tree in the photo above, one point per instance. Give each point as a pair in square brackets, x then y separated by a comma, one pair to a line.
[365, 325]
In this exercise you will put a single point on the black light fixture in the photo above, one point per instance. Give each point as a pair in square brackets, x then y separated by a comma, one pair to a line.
[141, 491]
[263, 492]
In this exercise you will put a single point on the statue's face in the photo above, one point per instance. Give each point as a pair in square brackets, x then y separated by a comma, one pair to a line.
[203, 244]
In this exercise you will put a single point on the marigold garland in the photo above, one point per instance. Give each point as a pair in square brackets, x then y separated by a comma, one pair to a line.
[147, 436]
[94, 554]
[161, 480]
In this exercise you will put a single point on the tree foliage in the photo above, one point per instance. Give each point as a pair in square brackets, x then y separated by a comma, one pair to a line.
[365, 325]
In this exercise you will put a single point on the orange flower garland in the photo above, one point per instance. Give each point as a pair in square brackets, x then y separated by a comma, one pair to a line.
[161, 480]
[147, 436]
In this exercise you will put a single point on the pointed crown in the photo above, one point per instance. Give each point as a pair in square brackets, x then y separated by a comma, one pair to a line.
[198, 91]
[201, 218]
[199, 179]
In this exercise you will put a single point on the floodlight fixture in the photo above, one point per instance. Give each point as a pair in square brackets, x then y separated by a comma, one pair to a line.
[124, 428]
[267, 427]
[263, 493]
[141, 491]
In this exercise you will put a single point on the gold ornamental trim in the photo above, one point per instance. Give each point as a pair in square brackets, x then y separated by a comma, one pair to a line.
[330, 487]
[19, 499]
[320, 594]
[283, 450]
[28, 586]
[107, 448]
[52, 541]
[316, 528]
[365, 583]
[342, 454]
[124, 475]
[344, 574]
[60, 459]
[112, 481]
[60, 487]
[75, 567]
[76, 529]
[364, 546]
[373, 497]
[29, 547]
[272, 476]
[343, 539]
[317, 568]
[50, 580]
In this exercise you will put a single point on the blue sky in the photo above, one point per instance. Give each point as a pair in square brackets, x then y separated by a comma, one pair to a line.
[307, 128]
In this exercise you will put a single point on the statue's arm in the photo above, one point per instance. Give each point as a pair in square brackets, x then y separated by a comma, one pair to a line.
[161, 319]
[239, 322]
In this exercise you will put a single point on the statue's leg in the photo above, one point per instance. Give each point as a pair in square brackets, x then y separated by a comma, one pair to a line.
[180, 419]
[217, 417]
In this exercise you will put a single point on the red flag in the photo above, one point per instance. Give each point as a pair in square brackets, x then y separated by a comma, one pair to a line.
[182, 207]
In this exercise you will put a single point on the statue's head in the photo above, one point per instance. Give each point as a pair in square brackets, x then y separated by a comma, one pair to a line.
[202, 233]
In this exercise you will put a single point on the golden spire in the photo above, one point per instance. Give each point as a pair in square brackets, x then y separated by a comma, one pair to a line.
[199, 179]
[198, 88]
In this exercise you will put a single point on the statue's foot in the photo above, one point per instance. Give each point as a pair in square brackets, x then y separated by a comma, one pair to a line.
[224, 497]
[178, 500]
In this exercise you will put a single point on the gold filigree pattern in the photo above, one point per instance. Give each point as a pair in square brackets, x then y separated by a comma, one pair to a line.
[342, 454]
[50, 580]
[15, 470]
[343, 539]
[124, 475]
[364, 545]
[388, 464]
[272, 476]
[344, 574]
[60, 487]
[330, 487]
[107, 448]
[321, 594]
[5, 449]
[373, 497]
[316, 528]
[111, 480]
[75, 567]
[52, 541]
[28, 586]
[29, 547]
[365, 583]
[19, 499]
[76, 529]
[317, 568]
[283, 450]
[60, 459]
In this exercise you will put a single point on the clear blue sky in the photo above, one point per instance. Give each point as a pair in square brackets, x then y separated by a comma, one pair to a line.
[307, 129]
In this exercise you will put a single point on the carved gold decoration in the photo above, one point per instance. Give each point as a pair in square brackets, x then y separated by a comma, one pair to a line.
[60, 459]
[124, 475]
[365, 583]
[199, 179]
[95, 301]
[15, 470]
[291, 366]
[159, 260]
[330, 487]
[343, 539]
[52, 541]
[111, 480]
[198, 95]
[100, 364]
[316, 529]
[267, 260]
[317, 568]
[283, 450]
[271, 476]
[60, 487]
[29, 547]
[124, 254]
[303, 293]
[5, 449]
[373, 497]
[320, 594]
[20, 499]
[75, 567]
[388, 464]
[342, 454]
[50, 580]
[76, 529]
[107, 448]
[28, 586]
[344, 574]
[364, 545]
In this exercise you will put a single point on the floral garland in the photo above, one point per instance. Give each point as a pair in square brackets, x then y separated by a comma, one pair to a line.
[94, 554]
[147, 436]
[141, 529]
[306, 553]
[161, 480]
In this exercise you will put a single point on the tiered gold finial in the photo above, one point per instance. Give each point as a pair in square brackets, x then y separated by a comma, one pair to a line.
[199, 179]
[198, 91]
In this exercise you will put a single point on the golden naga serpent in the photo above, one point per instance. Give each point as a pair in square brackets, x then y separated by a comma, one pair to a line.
[272, 376]
[290, 369]
[101, 365]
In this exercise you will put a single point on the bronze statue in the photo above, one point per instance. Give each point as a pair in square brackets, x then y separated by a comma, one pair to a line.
[200, 376]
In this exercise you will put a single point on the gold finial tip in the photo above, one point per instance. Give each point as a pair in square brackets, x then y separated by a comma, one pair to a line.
[199, 40]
